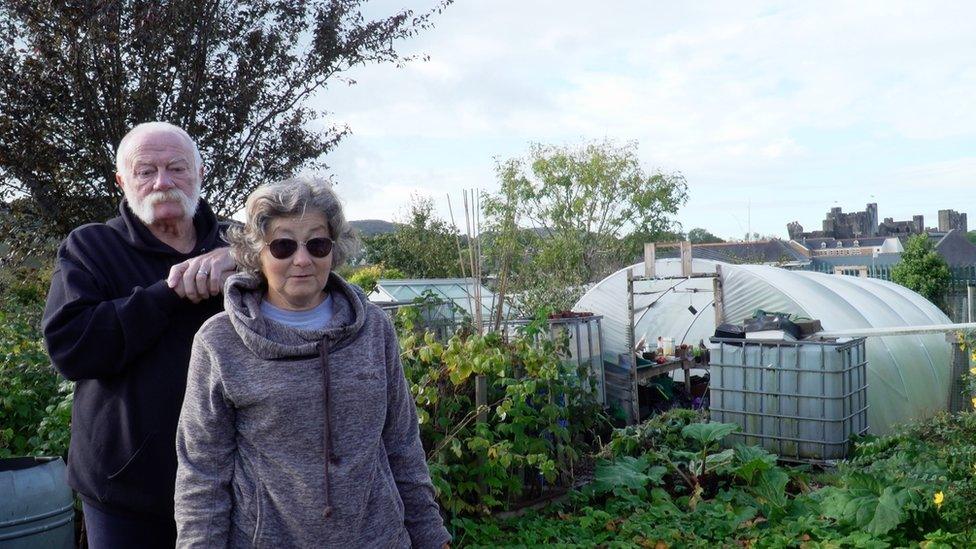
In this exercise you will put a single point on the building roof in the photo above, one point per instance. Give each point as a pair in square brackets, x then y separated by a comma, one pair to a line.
[760, 251]
[956, 248]
[934, 237]
[816, 243]
[825, 262]
[953, 246]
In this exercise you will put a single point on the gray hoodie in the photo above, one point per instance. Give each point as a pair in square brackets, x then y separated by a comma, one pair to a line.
[265, 404]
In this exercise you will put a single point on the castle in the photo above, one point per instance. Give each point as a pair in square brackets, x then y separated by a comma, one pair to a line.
[865, 224]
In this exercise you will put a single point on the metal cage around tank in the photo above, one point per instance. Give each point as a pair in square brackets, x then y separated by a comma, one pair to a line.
[802, 400]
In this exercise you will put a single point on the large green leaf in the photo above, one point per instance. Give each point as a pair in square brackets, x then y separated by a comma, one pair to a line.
[866, 508]
[751, 460]
[626, 472]
[889, 512]
[718, 461]
[707, 433]
[769, 487]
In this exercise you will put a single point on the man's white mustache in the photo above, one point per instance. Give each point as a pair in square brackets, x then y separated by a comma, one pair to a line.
[172, 195]
[144, 208]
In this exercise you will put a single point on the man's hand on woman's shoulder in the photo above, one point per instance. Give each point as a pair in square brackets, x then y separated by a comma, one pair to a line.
[203, 276]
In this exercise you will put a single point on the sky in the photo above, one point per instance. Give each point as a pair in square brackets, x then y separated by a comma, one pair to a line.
[773, 111]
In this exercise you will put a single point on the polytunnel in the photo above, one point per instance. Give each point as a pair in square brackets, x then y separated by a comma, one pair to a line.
[908, 375]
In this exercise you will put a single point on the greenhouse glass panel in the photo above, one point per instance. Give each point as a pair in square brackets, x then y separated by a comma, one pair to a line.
[457, 292]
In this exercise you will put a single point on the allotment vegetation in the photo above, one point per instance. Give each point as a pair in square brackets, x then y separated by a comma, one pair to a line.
[541, 462]
[667, 482]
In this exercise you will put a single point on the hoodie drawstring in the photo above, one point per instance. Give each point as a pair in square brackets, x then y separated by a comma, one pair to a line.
[327, 406]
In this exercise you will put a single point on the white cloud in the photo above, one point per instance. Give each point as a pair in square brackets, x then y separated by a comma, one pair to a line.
[952, 175]
[780, 103]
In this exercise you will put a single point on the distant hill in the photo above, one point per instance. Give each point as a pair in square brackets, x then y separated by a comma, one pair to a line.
[372, 227]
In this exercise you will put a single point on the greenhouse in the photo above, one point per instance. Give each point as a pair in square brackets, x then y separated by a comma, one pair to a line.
[908, 375]
[458, 294]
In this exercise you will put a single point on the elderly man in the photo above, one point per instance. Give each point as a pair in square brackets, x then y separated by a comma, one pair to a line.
[126, 298]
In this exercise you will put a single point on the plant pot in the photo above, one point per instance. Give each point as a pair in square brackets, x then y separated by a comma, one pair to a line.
[699, 386]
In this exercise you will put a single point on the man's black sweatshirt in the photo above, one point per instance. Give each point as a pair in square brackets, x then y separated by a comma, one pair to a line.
[114, 327]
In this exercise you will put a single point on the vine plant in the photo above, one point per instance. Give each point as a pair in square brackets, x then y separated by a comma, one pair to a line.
[540, 414]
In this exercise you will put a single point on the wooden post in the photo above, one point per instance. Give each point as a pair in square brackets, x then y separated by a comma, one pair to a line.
[631, 342]
[969, 302]
[958, 400]
[686, 366]
[719, 302]
[686, 269]
[481, 397]
[650, 256]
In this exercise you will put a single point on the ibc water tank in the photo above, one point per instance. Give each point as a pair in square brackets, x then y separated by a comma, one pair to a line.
[36, 504]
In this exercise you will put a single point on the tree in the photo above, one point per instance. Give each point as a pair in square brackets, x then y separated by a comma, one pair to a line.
[74, 77]
[756, 237]
[590, 209]
[923, 270]
[367, 277]
[423, 247]
[702, 236]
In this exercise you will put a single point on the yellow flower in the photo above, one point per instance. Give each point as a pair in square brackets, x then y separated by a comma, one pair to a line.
[973, 357]
[973, 370]
[938, 498]
[974, 402]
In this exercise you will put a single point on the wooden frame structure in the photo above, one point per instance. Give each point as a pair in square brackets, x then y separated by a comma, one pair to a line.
[681, 362]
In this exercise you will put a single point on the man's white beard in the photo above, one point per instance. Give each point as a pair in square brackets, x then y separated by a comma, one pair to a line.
[145, 210]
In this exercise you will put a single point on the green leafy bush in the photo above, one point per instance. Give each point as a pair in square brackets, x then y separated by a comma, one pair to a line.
[659, 432]
[538, 419]
[927, 470]
[35, 402]
[911, 489]
[967, 343]
[923, 270]
[366, 277]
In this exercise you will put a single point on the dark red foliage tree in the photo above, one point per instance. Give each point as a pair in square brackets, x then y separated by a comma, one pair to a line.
[76, 75]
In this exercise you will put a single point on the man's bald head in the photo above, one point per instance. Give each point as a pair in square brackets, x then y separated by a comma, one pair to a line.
[160, 171]
[122, 153]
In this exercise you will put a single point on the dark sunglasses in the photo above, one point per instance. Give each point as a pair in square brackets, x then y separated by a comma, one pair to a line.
[283, 248]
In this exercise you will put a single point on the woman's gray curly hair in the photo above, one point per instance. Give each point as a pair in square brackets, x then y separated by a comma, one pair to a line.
[288, 198]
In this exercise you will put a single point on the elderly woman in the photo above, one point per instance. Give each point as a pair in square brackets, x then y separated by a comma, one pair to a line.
[298, 428]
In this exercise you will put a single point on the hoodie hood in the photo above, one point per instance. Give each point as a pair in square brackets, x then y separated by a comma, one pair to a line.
[137, 234]
[269, 340]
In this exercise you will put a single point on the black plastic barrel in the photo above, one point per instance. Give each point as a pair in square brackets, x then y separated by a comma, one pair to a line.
[36, 504]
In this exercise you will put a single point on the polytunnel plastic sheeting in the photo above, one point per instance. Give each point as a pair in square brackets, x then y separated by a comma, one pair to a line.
[657, 314]
[928, 309]
[920, 312]
[887, 310]
[912, 313]
[819, 297]
[908, 376]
